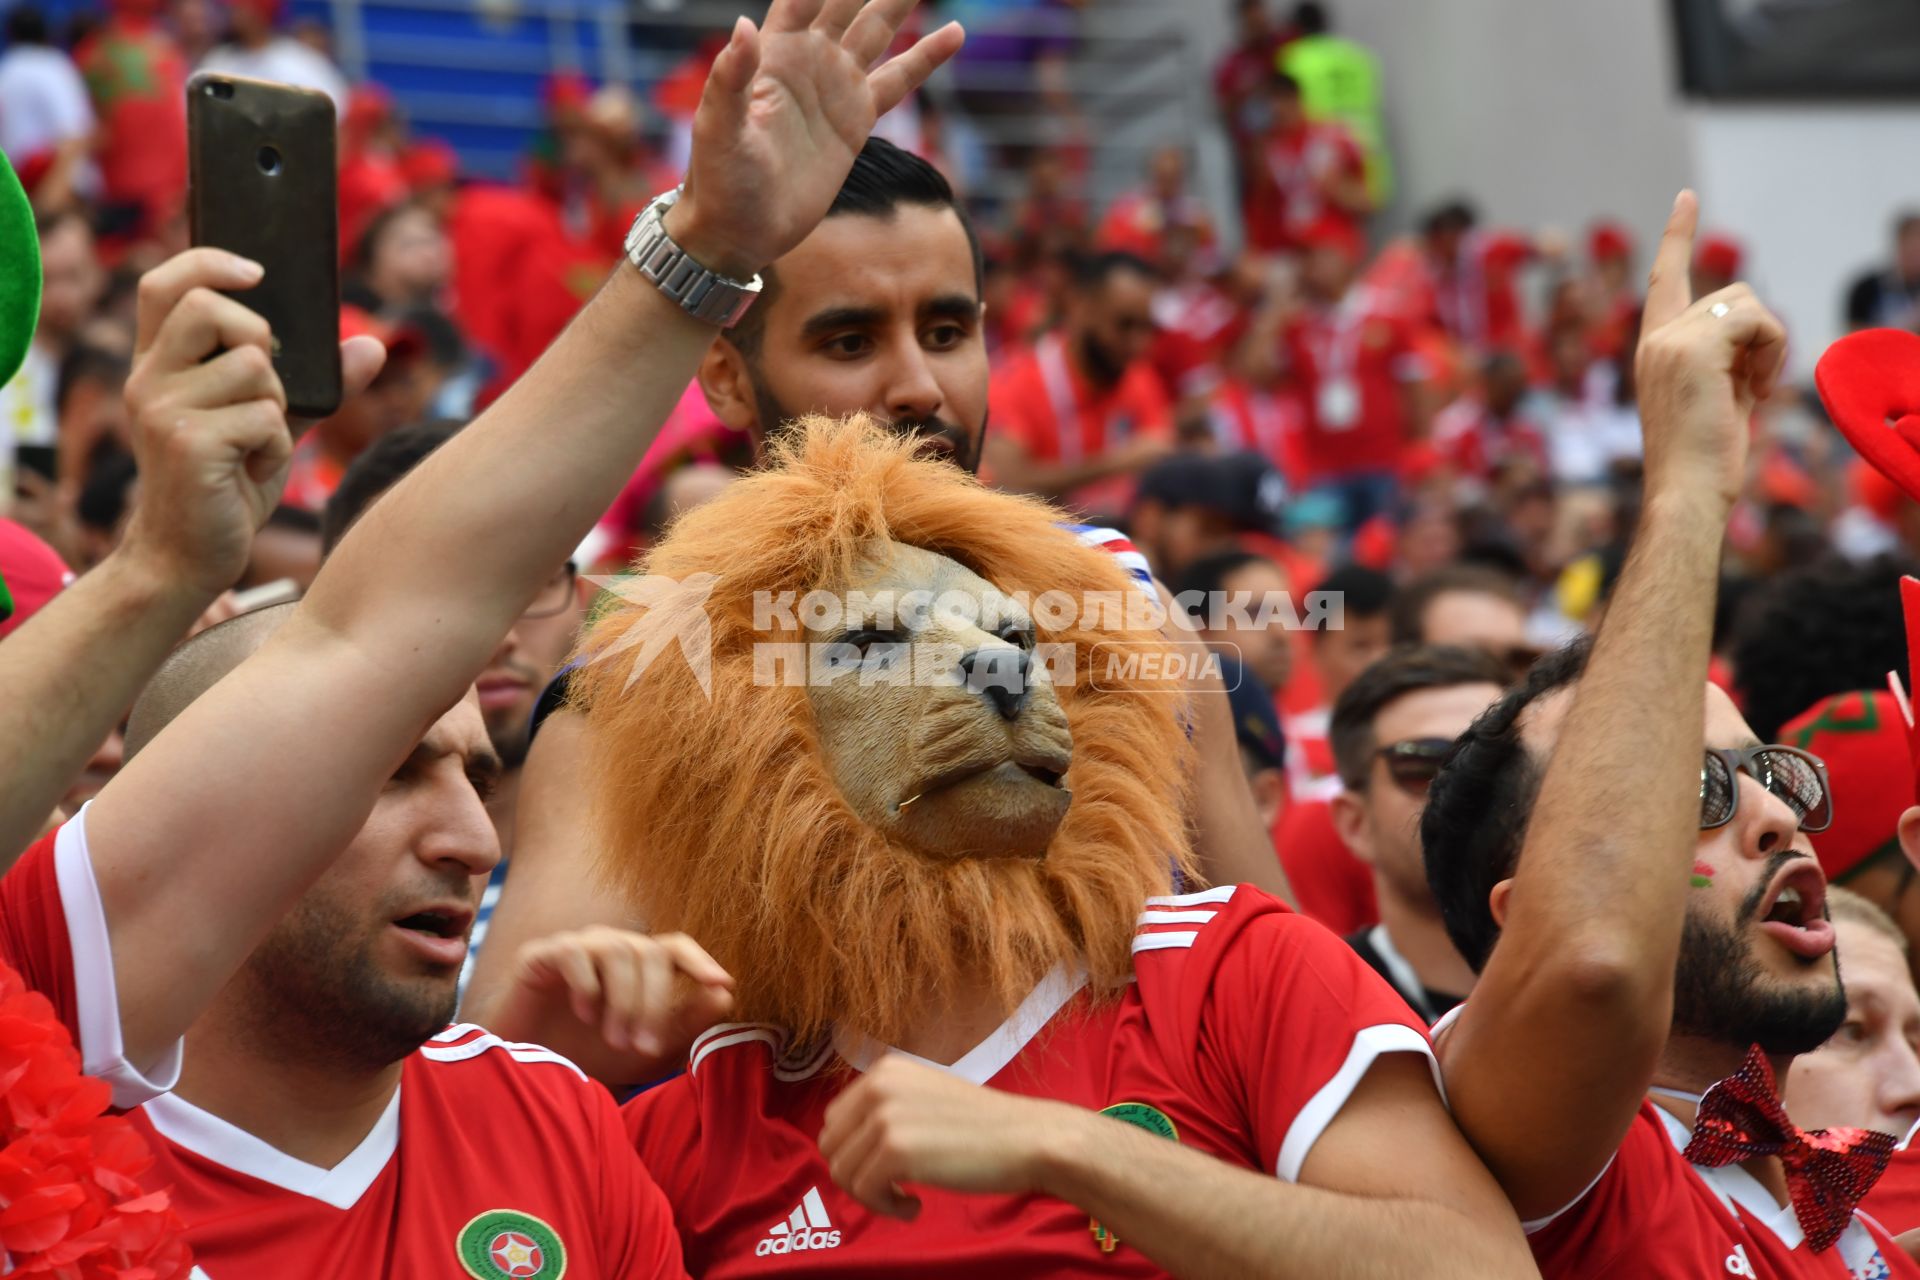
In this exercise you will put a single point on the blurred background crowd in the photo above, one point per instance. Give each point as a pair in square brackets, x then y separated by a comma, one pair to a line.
[1230, 331]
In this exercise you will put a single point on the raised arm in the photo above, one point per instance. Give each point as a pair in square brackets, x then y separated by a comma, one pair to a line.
[1554, 1052]
[248, 795]
[77, 665]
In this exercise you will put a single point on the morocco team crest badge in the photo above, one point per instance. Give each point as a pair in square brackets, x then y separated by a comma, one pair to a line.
[505, 1244]
[1141, 1116]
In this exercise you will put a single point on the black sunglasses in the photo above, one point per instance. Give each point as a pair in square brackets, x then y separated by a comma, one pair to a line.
[1414, 763]
[1798, 777]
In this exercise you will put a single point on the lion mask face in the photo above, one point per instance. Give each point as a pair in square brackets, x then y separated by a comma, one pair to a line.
[853, 846]
[937, 722]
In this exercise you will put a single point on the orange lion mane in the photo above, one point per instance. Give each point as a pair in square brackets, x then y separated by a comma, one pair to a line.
[718, 816]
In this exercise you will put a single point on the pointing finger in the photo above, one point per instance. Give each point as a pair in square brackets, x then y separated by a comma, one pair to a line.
[836, 16]
[792, 15]
[1669, 291]
[162, 288]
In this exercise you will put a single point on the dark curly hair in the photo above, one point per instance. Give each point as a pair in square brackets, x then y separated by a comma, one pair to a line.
[1477, 809]
[1824, 629]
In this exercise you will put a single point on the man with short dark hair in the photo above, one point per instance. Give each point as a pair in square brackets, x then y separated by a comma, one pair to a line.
[1890, 297]
[1468, 606]
[1628, 869]
[1084, 410]
[1238, 599]
[1391, 729]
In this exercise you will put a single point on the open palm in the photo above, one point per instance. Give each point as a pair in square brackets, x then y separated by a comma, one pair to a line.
[785, 111]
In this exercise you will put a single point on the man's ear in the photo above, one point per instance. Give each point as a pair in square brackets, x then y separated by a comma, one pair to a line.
[1269, 795]
[728, 386]
[1350, 820]
[1497, 901]
[1909, 830]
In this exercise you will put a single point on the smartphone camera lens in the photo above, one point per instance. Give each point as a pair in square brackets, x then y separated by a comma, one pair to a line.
[219, 89]
[269, 161]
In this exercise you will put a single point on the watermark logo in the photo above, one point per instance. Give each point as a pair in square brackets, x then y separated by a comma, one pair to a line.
[675, 613]
[913, 637]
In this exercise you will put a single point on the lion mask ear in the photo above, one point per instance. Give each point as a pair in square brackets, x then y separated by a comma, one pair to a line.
[20, 282]
[1870, 384]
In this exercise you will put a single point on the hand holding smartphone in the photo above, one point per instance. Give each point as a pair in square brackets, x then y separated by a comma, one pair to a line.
[263, 183]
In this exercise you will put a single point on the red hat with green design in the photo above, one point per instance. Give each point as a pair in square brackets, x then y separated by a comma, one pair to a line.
[1863, 737]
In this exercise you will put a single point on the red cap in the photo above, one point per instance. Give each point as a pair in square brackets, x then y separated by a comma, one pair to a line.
[1862, 736]
[429, 163]
[1609, 242]
[33, 572]
[1718, 255]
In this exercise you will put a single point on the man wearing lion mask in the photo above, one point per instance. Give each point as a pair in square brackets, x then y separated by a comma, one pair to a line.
[937, 847]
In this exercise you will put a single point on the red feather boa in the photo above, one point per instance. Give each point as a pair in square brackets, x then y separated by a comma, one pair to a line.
[71, 1205]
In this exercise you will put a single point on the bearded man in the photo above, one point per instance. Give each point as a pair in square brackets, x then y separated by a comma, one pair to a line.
[1629, 870]
[934, 831]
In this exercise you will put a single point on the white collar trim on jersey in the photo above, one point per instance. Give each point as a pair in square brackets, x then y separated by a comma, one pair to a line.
[988, 1058]
[207, 1135]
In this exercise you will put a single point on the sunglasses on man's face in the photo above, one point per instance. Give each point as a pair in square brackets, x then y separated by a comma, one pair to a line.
[1413, 763]
[1798, 777]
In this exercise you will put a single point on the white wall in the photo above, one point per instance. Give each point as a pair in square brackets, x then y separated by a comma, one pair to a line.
[1548, 113]
[1545, 112]
[1812, 190]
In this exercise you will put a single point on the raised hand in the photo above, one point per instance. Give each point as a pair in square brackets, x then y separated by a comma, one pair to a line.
[644, 994]
[786, 109]
[1701, 367]
[210, 431]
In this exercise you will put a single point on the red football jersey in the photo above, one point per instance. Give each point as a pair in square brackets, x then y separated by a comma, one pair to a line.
[1245, 1032]
[1288, 187]
[1894, 1201]
[1654, 1216]
[1043, 402]
[1353, 363]
[495, 1160]
[53, 930]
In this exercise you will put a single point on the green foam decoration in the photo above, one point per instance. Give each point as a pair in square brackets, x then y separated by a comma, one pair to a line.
[6, 599]
[19, 273]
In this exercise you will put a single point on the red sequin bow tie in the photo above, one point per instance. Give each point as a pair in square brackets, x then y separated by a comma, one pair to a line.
[1828, 1170]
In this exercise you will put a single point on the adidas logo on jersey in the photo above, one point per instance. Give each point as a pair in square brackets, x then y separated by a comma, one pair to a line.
[807, 1227]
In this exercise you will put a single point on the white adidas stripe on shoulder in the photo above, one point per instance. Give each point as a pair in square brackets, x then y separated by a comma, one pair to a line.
[1222, 893]
[728, 1034]
[1164, 941]
[464, 1041]
[1157, 916]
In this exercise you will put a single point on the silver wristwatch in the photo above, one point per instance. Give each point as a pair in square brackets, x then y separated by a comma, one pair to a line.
[703, 294]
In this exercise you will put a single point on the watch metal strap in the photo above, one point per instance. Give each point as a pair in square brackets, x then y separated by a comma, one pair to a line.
[703, 294]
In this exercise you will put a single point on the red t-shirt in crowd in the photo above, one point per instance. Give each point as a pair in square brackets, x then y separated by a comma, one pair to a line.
[1475, 299]
[1894, 1201]
[506, 1140]
[1271, 423]
[1040, 400]
[1288, 192]
[1353, 363]
[1198, 326]
[1245, 1033]
[137, 79]
[1474, 443]
[1137, 222]
[1655, 1216]
[1329, 883]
